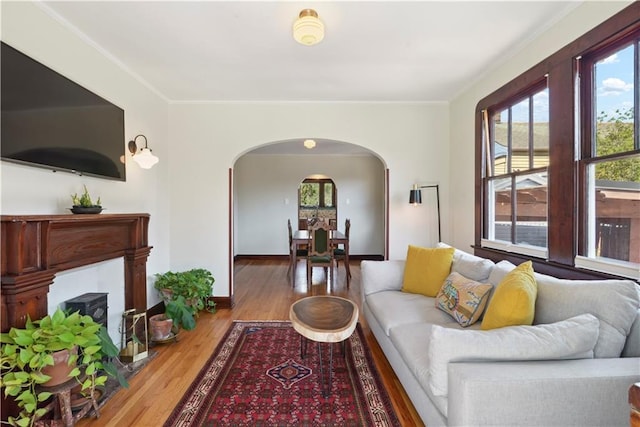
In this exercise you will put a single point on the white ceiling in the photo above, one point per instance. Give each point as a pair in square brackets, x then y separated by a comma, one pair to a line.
[373, 51]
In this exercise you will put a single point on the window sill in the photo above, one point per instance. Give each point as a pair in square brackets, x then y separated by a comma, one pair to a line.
[533, 251]
[611, 266]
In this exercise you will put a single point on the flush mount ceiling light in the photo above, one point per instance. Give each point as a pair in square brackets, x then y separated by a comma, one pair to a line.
[144, 157]
[308, 28]
[309, 143]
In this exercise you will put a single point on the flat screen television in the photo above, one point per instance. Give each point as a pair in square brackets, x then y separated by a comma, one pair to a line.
[51, 122]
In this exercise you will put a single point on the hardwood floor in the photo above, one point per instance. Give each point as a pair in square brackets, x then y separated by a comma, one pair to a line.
[263, 292]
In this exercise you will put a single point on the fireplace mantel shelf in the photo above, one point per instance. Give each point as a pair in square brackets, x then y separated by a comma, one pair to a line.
[36, 247]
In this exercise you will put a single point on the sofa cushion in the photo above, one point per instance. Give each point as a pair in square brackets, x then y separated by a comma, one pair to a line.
[392, 308]
[471, 266]
[514, 299]
[632, 345]
[500, 270]
[426, 269]
[573, 338]
[463, 298]
[377, 276]
[614, 302]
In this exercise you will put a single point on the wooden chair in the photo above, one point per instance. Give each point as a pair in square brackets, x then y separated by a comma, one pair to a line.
[300, 253]
[339, 253]
[320, 249]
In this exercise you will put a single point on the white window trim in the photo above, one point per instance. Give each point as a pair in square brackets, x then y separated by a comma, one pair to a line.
[528, 250]
[609, 265]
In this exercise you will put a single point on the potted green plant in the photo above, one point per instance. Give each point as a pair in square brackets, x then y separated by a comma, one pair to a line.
[195, 285]
[84, 204]
[178, 314]
[27, 354]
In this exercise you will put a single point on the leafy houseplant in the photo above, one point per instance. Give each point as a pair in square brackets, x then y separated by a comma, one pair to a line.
[178, 314]
[195, 285]
[26, 352]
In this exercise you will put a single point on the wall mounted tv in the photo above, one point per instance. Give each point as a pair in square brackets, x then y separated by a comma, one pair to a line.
[51, 122]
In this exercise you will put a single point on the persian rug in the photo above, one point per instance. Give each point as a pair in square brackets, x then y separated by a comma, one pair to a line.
[256, 377]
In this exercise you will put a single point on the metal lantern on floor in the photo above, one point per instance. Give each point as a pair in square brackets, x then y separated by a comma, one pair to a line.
[134, 344]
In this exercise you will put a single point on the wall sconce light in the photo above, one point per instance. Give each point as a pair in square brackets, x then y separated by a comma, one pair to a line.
[309, 143]
[308, 28]
[145, 157]
[415, 198]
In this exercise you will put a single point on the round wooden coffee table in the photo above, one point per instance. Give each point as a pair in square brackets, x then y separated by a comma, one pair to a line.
[324, 319]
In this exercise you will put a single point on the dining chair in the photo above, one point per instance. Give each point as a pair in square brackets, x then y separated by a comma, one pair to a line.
[339, 253]
[320, 249]
[300, 253]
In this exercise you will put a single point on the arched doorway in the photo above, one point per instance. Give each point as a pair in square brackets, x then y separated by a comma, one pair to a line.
[265, 195]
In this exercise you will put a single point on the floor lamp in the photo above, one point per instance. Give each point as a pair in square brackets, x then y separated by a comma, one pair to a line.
[415, 198]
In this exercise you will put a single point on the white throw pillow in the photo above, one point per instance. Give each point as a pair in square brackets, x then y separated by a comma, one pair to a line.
[470, 266]
[573, 338]
[614, 302]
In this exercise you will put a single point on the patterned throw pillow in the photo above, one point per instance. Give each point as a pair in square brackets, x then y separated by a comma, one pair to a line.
[463, 298]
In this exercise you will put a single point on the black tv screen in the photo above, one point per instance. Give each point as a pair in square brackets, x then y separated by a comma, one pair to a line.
[49, 121]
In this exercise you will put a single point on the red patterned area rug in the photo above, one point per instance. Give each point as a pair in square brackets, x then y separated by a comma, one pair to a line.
[256, 377]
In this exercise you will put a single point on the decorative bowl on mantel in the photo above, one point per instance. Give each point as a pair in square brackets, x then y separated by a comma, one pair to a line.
[86, 209]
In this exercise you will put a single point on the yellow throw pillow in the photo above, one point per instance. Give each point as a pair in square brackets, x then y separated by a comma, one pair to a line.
[426, 269]
[514, 299]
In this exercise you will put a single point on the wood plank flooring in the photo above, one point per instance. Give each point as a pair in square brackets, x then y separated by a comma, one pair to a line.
[263, 292]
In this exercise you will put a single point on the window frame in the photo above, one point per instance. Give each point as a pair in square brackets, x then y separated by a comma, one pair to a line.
[489, 175]
[565, 229]
[588, 155]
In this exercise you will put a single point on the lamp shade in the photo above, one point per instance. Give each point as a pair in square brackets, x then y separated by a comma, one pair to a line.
[145, 158]
[415, 197]
[308, 29]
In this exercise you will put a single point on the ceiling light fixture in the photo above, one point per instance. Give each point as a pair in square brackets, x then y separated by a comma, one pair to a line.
[308, 28]
[145, 158]
[309, 143]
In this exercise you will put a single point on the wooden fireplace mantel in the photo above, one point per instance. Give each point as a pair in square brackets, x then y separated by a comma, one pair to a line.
[36, 247]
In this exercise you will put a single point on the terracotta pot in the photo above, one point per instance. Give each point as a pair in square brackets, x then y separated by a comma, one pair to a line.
[160, 327]
[61, 369]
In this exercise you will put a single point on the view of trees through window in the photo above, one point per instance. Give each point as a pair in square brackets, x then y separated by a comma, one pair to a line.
[318, 193]
[613, 169]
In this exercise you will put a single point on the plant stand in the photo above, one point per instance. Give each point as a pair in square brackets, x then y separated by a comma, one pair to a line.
[61, 405]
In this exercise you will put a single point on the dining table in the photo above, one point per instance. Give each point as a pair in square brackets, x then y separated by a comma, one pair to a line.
[336, 237]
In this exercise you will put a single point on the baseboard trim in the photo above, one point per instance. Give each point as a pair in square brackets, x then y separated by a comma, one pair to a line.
[286, 257]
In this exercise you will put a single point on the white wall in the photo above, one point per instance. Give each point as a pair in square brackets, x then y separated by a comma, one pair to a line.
[29, 190]
[265, 183]
[462, 110]
[207, 139]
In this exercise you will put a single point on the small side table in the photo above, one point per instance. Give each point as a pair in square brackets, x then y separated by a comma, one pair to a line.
[61, 405]
[324, 319]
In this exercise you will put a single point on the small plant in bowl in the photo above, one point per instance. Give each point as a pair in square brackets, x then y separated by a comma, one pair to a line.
[84, 205]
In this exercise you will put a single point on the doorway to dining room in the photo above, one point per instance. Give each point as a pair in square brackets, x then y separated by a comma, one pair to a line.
[266, 185]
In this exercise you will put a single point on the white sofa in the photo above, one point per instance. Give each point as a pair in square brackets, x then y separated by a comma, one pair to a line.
[491, 386]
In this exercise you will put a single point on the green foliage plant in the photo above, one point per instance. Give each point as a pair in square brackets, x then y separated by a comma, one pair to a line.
[615, 136]
[182, 314]
[84, 200]
[195, 286]
[24, 352]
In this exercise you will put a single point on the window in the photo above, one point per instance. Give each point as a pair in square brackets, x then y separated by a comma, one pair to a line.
[317, 193]
[515, 183]
[610, 161]
[558, 159]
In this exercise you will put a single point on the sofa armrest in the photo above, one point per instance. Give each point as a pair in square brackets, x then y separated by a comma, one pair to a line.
[585, 392]
[377, 276]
